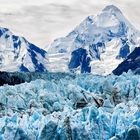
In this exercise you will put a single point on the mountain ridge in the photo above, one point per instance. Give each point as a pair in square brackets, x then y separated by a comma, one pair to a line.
[97, 45]
[131, 63]
[17, 54]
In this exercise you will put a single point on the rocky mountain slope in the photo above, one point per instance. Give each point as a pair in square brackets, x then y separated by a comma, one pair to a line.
[108, 39]
[131, 63]
[17, 54]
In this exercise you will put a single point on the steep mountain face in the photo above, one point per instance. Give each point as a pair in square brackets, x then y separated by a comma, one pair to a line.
[131, 63]
[17, 54]
[80, 60]
[108, 39]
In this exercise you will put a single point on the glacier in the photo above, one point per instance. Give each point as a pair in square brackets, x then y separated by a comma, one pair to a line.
[69, 91]
[61, 106]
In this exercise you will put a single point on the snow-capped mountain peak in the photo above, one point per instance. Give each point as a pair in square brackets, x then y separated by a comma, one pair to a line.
[109, 16]
[17, 54]
[108, 38]
[112, 9]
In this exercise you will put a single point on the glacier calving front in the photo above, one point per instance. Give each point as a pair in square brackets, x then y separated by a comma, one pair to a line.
[84, 107]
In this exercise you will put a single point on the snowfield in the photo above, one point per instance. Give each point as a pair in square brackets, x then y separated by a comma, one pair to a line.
[68, 107]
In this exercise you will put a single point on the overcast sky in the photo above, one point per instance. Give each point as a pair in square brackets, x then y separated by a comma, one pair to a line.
[41, 21]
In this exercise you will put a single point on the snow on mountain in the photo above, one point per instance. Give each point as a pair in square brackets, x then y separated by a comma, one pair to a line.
[17, 54]
[108, 39]
[78, 107]
[131, 63]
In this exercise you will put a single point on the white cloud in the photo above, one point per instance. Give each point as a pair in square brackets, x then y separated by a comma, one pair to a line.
[41, 21]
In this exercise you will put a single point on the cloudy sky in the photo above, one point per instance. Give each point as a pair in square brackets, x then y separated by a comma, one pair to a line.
[41, 21]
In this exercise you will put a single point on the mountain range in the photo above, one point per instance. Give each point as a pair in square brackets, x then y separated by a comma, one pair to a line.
[98, 45]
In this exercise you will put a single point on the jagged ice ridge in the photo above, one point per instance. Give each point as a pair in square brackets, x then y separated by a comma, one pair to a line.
[82, 107]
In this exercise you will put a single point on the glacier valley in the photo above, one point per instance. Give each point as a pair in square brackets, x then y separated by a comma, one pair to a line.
[84, 86]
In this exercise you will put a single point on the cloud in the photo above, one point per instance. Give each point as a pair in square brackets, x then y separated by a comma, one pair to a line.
[41, 21]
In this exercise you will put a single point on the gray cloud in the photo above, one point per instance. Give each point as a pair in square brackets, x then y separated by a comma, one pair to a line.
[41, 21]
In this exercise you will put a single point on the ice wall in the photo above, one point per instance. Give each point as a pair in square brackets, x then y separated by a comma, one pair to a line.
[84, 107]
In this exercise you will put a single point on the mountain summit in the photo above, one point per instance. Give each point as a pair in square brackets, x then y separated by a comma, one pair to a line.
[112, 9]
[108, 39]
[17, 54]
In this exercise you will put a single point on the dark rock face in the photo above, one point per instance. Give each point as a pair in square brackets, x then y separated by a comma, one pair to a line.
[7, 78]
[124, 51]
[131, 63]
[95, 50]
[80, 58]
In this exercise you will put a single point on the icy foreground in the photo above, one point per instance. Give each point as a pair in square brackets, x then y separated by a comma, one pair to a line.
[84, 107]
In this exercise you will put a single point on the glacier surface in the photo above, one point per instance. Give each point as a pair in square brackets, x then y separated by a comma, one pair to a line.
[68, 107]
